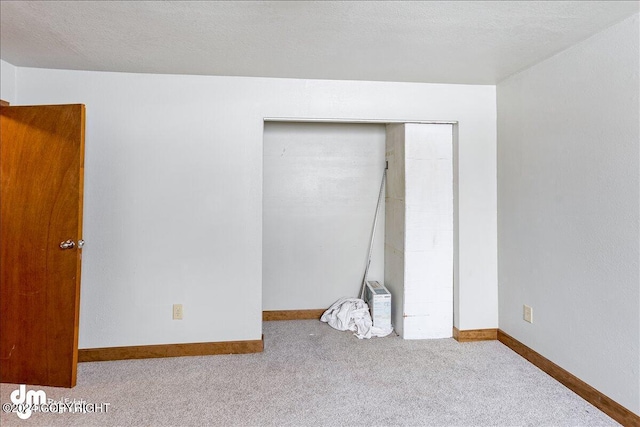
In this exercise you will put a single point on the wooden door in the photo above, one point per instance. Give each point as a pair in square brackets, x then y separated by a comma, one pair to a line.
[41, 176]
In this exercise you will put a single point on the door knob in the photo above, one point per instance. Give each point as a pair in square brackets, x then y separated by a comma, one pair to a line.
[67, 244]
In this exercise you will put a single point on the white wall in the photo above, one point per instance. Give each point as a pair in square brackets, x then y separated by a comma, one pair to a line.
[173, 203]
[321, 185]
[568, 212]
[7, 82]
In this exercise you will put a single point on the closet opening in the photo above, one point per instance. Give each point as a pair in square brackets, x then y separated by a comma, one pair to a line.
[320, 190]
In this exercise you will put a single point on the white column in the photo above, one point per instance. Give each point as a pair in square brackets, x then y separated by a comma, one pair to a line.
[419, 231]
[394, 224]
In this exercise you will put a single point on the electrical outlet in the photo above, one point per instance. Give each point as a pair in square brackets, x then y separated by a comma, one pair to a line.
[177, 311]
[528, 314]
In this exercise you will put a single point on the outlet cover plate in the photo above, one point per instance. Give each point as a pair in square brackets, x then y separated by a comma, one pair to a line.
[528, 313]
[177, 311]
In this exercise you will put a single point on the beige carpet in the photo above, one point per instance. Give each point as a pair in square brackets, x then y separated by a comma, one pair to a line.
[312, 375]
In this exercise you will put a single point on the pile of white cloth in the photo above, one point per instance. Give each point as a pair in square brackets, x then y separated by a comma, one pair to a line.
[352, 314]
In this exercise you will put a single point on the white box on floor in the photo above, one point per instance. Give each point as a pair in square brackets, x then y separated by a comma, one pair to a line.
[379, 300]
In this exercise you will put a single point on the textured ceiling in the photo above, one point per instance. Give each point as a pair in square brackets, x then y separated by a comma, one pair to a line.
[474, 42]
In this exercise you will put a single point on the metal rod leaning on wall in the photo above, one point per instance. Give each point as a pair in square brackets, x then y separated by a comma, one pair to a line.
[373, 231]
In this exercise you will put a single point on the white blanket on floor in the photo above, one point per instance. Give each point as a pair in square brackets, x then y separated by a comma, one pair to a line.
[352, 314]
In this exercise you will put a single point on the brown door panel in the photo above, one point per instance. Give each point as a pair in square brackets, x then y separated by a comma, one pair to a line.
[41, 176]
